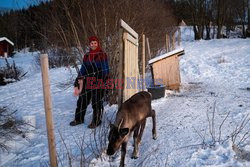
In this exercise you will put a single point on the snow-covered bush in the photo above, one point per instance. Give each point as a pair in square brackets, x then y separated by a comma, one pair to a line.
[10, 73]
[86, 152]
[218, 148]
[9, 127]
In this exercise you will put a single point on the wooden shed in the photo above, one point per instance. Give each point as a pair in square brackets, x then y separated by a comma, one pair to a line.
[166, 68]
[6, 47]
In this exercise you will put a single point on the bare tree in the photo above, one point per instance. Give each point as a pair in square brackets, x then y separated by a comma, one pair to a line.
[248, 28]
[73, 21]
[201, 14]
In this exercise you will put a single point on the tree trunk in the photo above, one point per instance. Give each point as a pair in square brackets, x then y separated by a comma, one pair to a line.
[219, 19]
[219, 31]
[243, 30]
[202, 31]
[196, 33]
[228, 31]
[208, 29]
[214, 28]
[200, 36]
[248, 28]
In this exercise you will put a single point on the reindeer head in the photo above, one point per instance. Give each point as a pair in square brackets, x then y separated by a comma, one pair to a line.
[116, 138]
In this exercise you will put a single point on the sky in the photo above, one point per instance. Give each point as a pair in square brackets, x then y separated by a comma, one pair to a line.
[18, 4]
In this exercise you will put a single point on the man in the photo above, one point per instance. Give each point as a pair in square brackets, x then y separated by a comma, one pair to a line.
[95, 68]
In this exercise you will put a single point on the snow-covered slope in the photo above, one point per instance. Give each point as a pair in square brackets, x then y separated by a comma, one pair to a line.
[215, 76]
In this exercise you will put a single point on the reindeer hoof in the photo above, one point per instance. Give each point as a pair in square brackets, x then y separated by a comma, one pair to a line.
[134, 157]
[154, 137]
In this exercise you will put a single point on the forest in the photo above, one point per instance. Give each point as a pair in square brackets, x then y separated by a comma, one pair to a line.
[67, 23]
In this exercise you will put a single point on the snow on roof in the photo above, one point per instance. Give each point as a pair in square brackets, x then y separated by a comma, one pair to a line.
[179, 50]
[6, 39]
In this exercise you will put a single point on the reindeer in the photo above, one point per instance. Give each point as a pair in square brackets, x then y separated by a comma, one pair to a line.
[131, 117]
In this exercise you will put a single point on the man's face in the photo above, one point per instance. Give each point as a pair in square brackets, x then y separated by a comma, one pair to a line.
[93, 45]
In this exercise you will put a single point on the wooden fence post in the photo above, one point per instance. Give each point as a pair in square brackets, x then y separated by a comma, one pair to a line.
[143, 61]
[150, 57]
[167, 42]
[173, 41]
[121, 71]
[48, 109]
[179, 36]
[148, 46]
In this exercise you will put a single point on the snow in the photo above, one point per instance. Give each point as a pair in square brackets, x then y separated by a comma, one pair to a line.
[165, 55]
[6, 39]
[215, 77]
[221, 154]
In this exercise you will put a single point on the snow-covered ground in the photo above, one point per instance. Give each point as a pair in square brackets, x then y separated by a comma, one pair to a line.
[215, 79]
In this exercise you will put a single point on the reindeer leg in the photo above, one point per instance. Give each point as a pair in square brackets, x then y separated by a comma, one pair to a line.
[135, 136]
[123, 153]
[143, 124]
[154, 124]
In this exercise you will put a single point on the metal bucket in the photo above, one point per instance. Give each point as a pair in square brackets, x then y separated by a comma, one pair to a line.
[157, 91]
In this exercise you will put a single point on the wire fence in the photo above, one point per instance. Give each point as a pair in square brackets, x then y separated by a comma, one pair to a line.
[95, 80]
[79, 145]
[86, 146]
[89, 110]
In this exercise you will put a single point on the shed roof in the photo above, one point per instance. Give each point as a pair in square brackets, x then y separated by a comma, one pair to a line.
[179, 51]
[6, 39]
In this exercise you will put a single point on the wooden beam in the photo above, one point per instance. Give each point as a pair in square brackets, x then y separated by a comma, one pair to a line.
[179, 36]
[148, 46]
[121, 65]
[48, 109]
[167, 42]
[128, 29]
[152, 74]
[173, 41]
[143, 61]
[130, 38]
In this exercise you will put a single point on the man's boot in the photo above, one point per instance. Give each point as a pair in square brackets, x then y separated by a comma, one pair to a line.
[96, 121]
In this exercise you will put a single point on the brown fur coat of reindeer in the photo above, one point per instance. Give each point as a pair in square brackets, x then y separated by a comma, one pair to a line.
[131, 117]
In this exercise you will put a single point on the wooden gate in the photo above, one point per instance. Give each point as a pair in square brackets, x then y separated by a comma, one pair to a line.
[130, 67]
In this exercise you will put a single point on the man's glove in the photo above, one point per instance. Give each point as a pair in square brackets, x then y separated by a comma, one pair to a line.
[78, 86]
